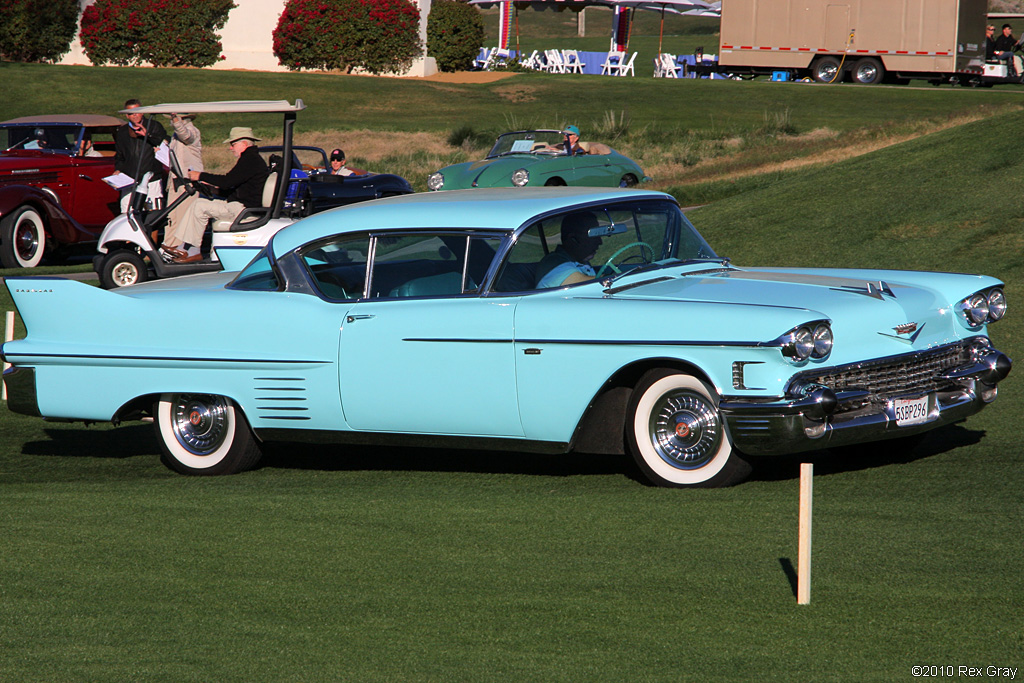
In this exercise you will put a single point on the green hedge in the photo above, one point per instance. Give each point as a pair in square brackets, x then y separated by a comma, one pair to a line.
[37, 30]
[378, 36]
[455, 32]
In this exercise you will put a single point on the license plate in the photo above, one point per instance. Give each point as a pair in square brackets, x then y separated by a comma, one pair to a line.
[910, 411]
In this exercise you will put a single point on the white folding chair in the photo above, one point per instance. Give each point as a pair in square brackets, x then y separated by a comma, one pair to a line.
[556, 65]
[482, 60]
[628, 67]
[533, 61]
[571, 61]
[498, 56]
[669, 68]
[612, 64]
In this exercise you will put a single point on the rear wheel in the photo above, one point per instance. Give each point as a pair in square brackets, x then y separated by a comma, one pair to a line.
[22, 238]
[121, 269]
[204, 434]
[826, 70]
[868, 71]
[676, 434]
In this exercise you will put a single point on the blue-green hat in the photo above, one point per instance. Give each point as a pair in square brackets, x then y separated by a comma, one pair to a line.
[573, 130]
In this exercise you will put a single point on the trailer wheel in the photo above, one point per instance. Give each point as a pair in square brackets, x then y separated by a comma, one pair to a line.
[826, 70]
[868, 71]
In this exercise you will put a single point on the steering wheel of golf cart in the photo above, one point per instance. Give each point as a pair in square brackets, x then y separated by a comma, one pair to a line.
[610, 263]
[191, 186]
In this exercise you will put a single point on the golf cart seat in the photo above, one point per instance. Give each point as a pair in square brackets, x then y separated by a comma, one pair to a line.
[251, 215]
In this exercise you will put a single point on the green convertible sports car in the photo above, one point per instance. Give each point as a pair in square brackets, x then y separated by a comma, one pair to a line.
[539, 157]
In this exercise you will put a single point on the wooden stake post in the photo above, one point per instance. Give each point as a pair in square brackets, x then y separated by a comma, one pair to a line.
[803, 579]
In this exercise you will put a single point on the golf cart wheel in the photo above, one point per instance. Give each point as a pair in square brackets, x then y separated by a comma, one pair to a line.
[204, 434]
[22, 238]
[677, 435]
[123, 268]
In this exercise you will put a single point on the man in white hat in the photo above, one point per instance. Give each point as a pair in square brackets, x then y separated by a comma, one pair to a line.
[241, 188]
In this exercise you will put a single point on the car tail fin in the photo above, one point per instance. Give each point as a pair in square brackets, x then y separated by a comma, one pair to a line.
[51, 304]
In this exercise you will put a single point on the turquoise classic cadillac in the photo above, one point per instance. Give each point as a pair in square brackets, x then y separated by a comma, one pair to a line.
[547, 319]
[539, 157]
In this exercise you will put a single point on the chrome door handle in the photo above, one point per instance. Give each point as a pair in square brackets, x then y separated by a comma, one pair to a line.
[353, 318]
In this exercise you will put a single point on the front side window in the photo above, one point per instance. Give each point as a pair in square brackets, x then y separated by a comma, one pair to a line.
[589, 243]
[430, 264]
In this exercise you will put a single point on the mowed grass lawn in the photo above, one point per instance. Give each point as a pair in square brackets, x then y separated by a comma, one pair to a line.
[361, 564]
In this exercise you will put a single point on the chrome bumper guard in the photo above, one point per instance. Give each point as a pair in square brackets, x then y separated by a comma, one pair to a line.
[813, 416]
[21, 391]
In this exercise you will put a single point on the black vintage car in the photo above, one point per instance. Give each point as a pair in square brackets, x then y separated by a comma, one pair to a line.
[314, 189]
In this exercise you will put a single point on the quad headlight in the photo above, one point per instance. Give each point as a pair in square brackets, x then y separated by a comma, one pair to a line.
[982, 307]
[813, 340]
[520, 177]
[435, 181]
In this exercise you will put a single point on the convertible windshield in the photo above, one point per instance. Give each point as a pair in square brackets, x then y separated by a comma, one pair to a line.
[598, 242]
[529, 142]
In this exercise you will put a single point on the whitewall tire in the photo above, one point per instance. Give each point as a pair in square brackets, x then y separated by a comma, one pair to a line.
[676, 434]
[204, 434]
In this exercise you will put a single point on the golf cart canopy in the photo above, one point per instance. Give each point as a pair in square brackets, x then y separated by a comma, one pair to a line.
[236, 107]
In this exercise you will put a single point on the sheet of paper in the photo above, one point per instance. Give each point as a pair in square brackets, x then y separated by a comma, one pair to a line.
[118, 180]
[163, 154]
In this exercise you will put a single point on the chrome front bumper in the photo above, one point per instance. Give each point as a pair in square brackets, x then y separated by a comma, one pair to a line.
[816, 417]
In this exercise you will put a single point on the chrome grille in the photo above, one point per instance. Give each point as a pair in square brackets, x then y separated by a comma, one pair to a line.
[912, 373]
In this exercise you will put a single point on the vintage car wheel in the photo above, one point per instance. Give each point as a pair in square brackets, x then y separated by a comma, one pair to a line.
[676, 434]
[22, 238]
[555, 182]
[204, 434]
[628, 180]
[123, 268]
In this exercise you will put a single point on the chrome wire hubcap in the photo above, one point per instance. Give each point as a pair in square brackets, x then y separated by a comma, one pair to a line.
[685, 430]
[200, 422]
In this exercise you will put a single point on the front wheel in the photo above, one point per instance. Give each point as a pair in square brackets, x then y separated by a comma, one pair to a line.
[676, 434]
[204, 434]
[121, 269]
[628, 180]
[22, 238]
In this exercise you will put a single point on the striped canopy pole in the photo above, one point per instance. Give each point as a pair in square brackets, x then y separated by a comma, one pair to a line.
[620, 28]
[505, 25]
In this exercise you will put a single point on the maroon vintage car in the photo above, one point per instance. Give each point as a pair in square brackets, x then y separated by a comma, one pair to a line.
[52, 194]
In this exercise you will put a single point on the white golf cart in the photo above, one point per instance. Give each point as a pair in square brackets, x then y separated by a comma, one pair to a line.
[127, 252]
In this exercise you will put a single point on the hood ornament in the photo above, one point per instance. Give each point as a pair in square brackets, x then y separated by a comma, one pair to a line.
[907, 332]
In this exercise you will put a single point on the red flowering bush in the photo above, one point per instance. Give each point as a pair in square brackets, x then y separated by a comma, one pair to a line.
[157, 32]
[37, 30]
[455, 32]
[379, 36]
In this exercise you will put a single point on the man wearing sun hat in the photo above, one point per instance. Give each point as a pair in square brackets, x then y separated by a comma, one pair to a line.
[572, 141]
[240, 188]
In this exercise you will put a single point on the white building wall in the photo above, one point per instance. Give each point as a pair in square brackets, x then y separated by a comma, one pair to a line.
[247, 38]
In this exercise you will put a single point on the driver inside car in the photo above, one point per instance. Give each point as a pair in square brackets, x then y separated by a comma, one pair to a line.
[570, 261]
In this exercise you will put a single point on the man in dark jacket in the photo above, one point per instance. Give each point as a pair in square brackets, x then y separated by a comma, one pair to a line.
[1004, 49]
[240, 188]
[134, 152]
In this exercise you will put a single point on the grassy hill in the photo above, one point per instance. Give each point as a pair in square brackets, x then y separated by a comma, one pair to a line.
[383, 565]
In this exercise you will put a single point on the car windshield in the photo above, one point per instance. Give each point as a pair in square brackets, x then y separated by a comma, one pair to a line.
[58, 139]
[529, 142]
[609, 240]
